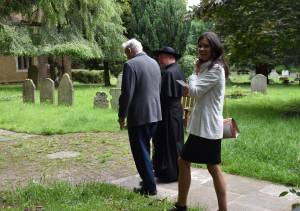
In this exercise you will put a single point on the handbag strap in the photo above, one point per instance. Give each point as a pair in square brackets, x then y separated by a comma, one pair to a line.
[226, 106]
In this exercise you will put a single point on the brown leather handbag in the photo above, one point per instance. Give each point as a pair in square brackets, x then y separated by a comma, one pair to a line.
[230, 128]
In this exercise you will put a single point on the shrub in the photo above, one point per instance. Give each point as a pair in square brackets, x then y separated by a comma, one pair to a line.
[187, 63]
[87, 76]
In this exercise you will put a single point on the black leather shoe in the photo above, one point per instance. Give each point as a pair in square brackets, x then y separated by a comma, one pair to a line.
[145, 192]
[178, 208]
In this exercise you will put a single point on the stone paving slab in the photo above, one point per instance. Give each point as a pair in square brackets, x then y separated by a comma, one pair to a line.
[244, 194]
[2, 139]
[11, 135]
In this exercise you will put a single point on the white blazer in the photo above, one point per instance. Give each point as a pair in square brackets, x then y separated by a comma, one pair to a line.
[208, 89]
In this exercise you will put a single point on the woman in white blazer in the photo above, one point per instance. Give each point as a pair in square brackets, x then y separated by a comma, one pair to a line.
[207, 86]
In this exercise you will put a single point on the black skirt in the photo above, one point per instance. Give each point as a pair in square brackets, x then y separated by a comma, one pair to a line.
[201, 150]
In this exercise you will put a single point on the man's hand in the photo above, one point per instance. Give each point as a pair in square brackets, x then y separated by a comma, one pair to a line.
[121, 123]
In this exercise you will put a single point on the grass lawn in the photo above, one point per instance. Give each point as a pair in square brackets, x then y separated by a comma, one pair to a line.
[53, 119]
[92, 196]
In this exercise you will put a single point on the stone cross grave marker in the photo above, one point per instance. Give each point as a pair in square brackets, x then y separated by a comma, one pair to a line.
[65, 91]
[47, 90]
[259, 83]
[100, 100]
[28, 91]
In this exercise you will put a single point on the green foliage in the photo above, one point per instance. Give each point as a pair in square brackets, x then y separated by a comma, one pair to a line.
[15, 40]
[159, 23]
[256, 31]
[86, 29]
[87, 76]
[126, 15]
[187, 62]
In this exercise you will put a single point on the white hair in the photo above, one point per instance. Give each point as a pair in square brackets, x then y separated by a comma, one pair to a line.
[134, 44]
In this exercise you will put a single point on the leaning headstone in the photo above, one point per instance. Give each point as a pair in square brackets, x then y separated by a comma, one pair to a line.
[259, 83]
[274, 74]
[65, 91]
[115, 94]
[28, 91]
[100, 100]
[47, 90]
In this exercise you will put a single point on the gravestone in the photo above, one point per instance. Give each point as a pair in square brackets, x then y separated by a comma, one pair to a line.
[65, 91]
[28, 91]
[259, 83]
[294, 75]
[285, 73]
[115, 94]
[100, 100]
[274, 74]
[47, 90]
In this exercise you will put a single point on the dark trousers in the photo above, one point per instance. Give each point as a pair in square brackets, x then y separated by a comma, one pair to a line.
[139, 137]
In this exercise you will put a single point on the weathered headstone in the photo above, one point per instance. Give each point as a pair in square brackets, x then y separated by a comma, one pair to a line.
[274, 74]
[294, 75]
[65, 91]
[115, 94]
[47, 90]
[259, 83]
[28, 91]
[285, 73]
[100, 100]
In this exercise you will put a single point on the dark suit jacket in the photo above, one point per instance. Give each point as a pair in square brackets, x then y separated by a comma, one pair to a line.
[140, 92]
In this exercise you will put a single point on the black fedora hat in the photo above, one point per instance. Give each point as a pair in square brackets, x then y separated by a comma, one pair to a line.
[168, 50]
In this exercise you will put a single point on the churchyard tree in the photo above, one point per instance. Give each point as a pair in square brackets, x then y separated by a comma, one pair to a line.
[258, 34]
[60, 28]
[158, 23]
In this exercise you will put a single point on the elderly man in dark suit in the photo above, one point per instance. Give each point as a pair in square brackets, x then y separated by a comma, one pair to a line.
[139, 102]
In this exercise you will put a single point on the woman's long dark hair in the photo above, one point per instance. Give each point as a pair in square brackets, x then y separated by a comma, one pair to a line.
[217, 50]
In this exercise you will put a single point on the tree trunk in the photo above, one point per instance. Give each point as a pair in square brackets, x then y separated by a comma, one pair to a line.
[262, 68]
[66, 63]
[106, 74]
[43, 68]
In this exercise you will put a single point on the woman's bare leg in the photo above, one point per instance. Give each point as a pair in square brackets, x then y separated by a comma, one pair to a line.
[184, 181]
[219, 184]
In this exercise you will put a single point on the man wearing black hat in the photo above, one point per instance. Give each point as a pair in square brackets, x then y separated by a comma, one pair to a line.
[169, 136]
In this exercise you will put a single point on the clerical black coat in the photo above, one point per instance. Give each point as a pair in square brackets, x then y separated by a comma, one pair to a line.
[169, 137]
